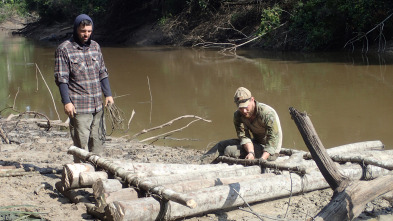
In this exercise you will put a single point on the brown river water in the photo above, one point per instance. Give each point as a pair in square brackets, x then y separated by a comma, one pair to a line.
[348, 96]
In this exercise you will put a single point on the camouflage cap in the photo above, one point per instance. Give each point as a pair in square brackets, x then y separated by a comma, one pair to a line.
[242, 97]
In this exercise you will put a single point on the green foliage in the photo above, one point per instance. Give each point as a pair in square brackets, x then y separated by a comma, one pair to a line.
[270, 19]
[59, 10]
[325, 23]
[203, 4]
[10, 7]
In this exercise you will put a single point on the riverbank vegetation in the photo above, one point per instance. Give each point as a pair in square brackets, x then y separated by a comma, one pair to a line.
[312, 25]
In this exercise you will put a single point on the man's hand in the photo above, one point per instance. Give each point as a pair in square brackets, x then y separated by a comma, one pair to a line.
[69, 109]
[250, 156]
[109, 100]
[249, 147]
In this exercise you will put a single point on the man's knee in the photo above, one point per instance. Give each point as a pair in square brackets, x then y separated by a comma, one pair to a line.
[232, 151]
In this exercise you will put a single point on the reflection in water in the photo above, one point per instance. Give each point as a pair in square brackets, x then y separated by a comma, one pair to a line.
[348, 97]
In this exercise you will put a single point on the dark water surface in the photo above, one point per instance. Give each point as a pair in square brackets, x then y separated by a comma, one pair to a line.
[349, 97]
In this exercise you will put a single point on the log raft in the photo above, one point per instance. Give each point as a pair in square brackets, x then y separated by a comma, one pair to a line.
[146, 191]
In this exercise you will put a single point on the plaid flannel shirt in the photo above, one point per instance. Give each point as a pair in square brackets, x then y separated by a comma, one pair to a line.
[82, 68]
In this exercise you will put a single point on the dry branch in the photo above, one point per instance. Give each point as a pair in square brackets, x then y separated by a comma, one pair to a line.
[363, 160]
[50, 92]
[169, 123]
[129, 121]
[263, 163]
[115, 116]
[4, 136]
[170, 132]
[364, 35]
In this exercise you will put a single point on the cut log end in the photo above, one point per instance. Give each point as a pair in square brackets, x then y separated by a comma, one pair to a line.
[191, 204]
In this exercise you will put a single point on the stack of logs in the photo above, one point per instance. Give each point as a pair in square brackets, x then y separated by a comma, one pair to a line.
[146, 191]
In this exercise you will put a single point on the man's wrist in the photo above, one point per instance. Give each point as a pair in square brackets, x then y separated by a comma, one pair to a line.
[251, 152]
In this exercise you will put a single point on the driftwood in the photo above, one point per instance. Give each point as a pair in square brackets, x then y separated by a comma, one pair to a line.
[131, 179]
[350, 197]
[268, 187]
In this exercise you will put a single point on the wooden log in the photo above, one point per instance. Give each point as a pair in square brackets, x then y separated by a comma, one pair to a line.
[107, 191]
[87, 179]
[71, 172]
[350, 197]
[224, 197]
[352, 148]
[125, 194]
[230, 172]
[130, 177]
[192, 185]
[266, 164]
[157, 169]
[106, 186]
[72, 195]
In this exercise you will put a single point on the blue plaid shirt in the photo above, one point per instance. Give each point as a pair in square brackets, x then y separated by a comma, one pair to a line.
[82, 68]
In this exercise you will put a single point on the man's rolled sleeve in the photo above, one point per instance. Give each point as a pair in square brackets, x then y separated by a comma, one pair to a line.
[242, 133]
[61, 67]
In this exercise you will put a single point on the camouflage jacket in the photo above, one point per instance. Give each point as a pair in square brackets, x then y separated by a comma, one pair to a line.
[265, 128]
